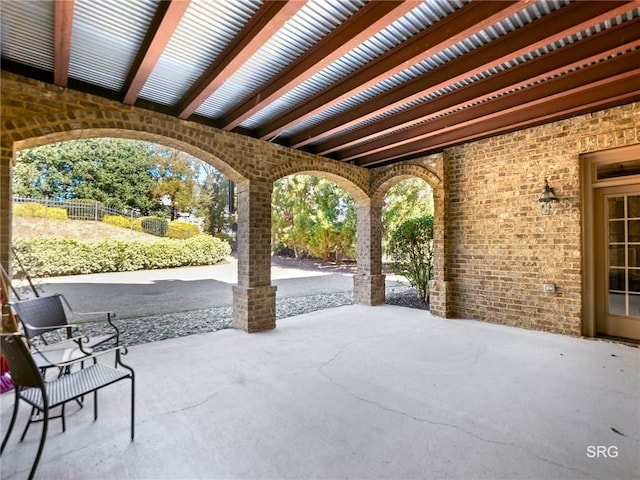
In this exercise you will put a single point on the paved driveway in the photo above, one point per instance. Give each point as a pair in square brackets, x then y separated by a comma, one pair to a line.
[150, 292]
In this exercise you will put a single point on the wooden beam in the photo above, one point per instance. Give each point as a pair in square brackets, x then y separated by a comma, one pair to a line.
[269, 18]
[629, 94]
[166, 19]
[63, 27]
[547, 30]
[482, 112]
[608, 90]
[363, 24]
[447, 32]
[593, 48]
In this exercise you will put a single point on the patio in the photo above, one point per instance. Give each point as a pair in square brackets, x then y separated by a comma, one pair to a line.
[356, 392]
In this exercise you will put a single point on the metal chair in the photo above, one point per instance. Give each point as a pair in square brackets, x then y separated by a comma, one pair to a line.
[43, 396]
[44, 317]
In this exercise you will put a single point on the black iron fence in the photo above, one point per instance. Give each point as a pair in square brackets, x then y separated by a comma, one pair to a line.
[70, 209]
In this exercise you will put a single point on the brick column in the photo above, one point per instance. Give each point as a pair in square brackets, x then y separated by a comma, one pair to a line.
[368, 282]
[254, 298]
[440, 287]
[6, 159]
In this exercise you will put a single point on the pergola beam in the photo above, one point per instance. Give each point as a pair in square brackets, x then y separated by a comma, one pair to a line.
[367, 21]
[447, 32]
[542, 105]
[592, 49]
[548, 29]
[165, 21]
[513, 45]
[267, 20]
[63, 27]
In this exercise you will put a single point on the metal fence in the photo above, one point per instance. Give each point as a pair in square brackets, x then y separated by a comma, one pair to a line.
[77, 209]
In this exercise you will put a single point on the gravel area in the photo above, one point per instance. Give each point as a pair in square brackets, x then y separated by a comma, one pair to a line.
[152, 328]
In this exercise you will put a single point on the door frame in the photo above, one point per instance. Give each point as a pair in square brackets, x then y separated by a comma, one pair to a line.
[589, 164]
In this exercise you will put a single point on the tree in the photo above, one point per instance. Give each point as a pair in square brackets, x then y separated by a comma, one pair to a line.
[176, 180]
[410, 198]
[411, 247]
[213, 201]
[313, 216]
[116, 172]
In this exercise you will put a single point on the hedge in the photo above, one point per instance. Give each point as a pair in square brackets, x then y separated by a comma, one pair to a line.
[37, 210]
[117, 220]
[45, 257]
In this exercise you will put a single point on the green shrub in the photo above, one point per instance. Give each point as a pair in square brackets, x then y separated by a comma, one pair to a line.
[411, 247]
[117, 220]
[84, 209]
[37, 210]
[47, 257]
[154, 225]
[182, 230]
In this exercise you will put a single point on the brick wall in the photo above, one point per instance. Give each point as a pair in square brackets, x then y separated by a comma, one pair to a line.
[501, 249]
[494, 248]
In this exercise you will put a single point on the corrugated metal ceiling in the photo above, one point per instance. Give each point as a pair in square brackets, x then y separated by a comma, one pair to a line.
[109, 36]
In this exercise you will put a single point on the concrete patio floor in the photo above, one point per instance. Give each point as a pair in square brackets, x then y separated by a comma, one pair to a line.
[356, 392]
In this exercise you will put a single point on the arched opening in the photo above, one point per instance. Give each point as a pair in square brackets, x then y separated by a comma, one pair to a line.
[407, 212]
[314, 240]
[429, 170]
[165, 148]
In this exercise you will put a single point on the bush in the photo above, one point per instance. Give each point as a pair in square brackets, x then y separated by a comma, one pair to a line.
[411, 247]
[37, 210]
[117, 220]
[182, 230]
[153, 225]
[46, 257]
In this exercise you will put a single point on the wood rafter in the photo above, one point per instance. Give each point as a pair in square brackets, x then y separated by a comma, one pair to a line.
[167, 17]
[367, 21]
[269, 18]
[448, 31]
[548, 29]
[620, 92]
[593, 48]
[63, 26]
[537, 103]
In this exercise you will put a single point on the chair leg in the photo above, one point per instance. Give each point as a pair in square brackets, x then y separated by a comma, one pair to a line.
[133, 397]
[45, 423]
[13, 419]
[64, 423]
[95, 405]
[26, 427]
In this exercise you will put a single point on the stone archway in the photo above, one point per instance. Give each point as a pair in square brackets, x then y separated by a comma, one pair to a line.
[46, 113]
[431, 170]
[368, 282]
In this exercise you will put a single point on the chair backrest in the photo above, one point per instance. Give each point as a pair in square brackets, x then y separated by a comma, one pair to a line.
[41, 312]
[24, 372]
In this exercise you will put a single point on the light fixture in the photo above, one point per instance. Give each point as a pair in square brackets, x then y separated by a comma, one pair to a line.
[547, 197]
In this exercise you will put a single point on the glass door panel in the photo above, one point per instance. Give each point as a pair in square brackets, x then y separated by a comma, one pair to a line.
[623, 222]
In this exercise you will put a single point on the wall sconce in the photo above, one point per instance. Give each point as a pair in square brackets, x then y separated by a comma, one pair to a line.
[547, 197]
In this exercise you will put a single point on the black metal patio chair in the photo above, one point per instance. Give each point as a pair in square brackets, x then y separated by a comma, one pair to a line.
[44, 396]
[45, 320]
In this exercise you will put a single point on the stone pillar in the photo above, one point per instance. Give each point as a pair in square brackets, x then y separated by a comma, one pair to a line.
[368, 282]
[254, 298]
[6, 160]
